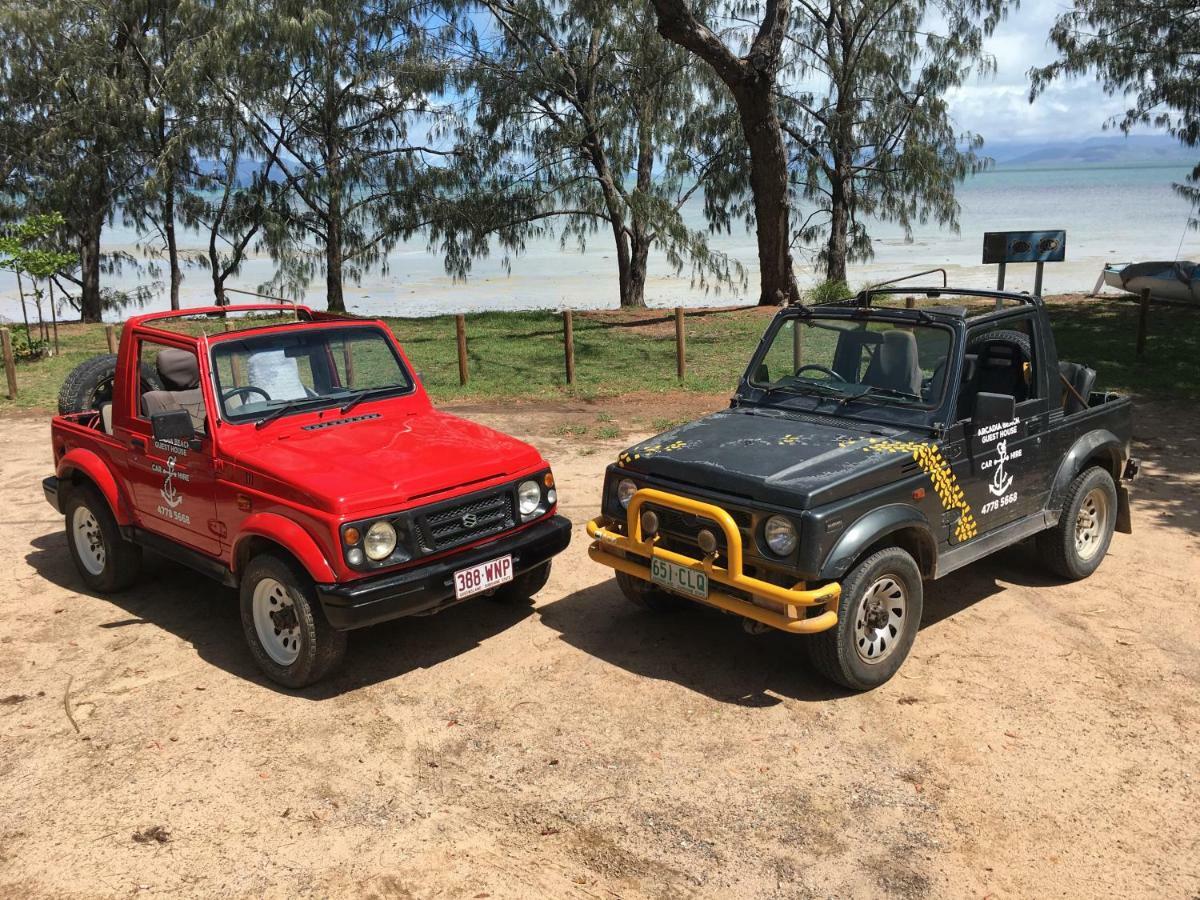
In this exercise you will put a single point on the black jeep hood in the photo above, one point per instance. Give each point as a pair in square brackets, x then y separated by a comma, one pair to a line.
[797, 460]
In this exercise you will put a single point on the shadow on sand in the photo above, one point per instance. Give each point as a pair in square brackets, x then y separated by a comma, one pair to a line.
[205, 614]
[709, 652]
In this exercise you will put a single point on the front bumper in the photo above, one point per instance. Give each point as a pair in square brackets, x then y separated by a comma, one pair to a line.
[782, 608]
[428, 588]
[50, 489]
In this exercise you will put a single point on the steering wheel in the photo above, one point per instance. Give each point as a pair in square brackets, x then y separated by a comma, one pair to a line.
[243, 391]
[824, 369]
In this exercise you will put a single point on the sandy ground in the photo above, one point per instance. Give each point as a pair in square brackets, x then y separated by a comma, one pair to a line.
[1042, 740]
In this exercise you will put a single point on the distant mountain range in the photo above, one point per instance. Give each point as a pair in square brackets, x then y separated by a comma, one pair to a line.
[1116, 150]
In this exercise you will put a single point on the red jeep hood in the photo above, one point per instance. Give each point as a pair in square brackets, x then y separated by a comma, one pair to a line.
[388, 461]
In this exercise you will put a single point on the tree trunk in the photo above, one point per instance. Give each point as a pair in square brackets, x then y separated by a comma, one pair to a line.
[839, 227]
[89, 270]
[636, 295]
[751, 79]
[769, 186]
[623, 260]
[333, 261]
[172, 245]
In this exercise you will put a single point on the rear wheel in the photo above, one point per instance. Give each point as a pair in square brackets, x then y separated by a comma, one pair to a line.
[1075, 546]
[646, 595]
[289, 638]
[878, 616]
[106, 561]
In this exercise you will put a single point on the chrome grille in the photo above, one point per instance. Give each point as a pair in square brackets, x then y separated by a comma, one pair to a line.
[466, 522]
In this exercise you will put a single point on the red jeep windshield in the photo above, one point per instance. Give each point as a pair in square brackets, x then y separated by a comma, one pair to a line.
[304, 368]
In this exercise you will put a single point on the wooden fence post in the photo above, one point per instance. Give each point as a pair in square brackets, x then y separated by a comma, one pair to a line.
[680, 344]
[569, 344]
[110, 335]
[1143, 312]
[10, 364]
[460, 328]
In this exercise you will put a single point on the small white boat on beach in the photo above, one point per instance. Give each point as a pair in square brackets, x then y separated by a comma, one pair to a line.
[1179, 280]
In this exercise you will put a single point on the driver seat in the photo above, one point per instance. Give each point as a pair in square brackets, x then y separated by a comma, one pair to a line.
[179, 372]
[895, 365]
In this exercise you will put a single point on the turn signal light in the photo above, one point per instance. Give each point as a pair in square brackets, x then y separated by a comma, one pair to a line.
[548, 479]
[351, 535]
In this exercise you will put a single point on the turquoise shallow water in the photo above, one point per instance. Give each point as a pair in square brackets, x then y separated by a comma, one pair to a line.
[1111, 214]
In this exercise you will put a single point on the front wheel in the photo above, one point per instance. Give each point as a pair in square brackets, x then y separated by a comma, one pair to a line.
[105, 560]
[1075, 546]
[878, 616]
[646, 595]
[288, 635]
[522, 588]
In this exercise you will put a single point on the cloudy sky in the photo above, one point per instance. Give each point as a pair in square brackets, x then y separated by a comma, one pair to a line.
[998, 107]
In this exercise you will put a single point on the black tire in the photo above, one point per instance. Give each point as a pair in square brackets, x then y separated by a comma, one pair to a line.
[90, 384]
[646, 595]
[522, 588]
[108, 563]
[839, 653]
[1013, 337]
[318, 646]
[1074, 548]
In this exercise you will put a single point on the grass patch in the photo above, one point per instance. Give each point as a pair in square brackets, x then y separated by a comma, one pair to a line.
[567, 429]
[608, 432]
[520, 354]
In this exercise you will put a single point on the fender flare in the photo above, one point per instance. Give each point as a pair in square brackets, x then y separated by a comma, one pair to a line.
[291, 537]
[869, 528]
[1100, 442]
[89, 464]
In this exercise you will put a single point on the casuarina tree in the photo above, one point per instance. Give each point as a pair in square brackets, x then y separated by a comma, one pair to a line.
[586, 120]
[1147, 51]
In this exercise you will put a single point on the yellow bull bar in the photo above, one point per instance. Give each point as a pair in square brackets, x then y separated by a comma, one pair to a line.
[607, 541]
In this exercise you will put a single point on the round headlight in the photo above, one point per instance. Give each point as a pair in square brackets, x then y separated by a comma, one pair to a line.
[780, 535]
[380, 541]
[625, 491]
[529, 497]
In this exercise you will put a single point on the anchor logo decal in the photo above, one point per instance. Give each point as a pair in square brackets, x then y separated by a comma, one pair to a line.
[1001, 480]
[170, 496]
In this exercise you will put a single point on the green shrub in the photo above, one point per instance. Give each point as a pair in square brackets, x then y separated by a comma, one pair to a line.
[827, 291]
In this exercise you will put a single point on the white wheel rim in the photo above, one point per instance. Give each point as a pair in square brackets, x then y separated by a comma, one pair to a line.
[879, 620]
[274, 612]
[1091, 524]
[89, 540]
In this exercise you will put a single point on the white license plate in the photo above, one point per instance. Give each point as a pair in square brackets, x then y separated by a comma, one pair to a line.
[679, 579]
[482, 577]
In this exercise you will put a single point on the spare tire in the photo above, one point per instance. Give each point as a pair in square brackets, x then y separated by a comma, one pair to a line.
[90, 384]
[1018, 339]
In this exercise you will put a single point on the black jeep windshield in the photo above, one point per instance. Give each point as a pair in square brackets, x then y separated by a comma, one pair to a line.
[855, 360]
[263, 376]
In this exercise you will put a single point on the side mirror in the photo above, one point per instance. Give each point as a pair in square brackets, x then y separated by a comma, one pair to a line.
[173, 425]
[992, 408]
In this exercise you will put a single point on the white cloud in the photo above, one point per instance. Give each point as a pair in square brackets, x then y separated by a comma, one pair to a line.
[998, 107]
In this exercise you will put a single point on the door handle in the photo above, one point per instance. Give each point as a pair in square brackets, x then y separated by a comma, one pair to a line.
[137, 444]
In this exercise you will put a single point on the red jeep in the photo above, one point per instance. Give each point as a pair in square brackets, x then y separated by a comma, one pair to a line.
[301, 462]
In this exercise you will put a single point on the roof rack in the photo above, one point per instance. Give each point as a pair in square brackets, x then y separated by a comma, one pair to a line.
[221, 312]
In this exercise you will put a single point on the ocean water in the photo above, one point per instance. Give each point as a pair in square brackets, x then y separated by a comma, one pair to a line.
[1111, 214]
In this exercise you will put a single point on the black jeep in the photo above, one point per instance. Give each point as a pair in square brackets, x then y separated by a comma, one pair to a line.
[873, 442]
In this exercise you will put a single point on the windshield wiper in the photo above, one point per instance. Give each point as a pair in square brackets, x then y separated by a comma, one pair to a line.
[874, 390]
[363, 395]
[809, 387]
[287, 408]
